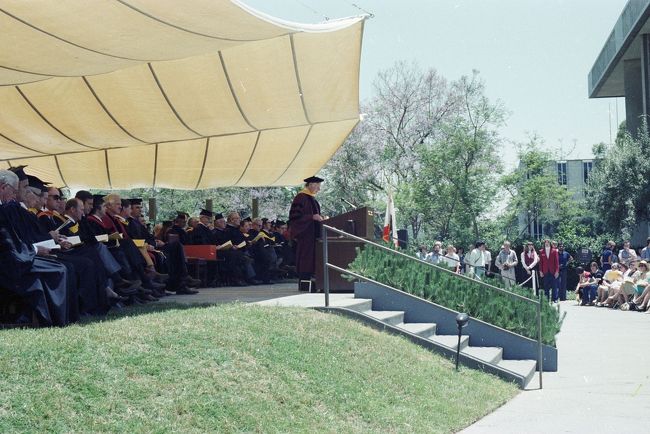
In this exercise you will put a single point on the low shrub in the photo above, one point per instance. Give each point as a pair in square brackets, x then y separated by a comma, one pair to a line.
[459, 294]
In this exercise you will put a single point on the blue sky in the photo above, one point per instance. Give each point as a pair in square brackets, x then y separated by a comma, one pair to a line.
[534, 55]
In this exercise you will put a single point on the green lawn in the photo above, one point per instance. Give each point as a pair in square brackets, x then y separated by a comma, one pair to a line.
[233, 368]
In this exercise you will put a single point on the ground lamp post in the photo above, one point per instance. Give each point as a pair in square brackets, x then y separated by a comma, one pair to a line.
[461, 321]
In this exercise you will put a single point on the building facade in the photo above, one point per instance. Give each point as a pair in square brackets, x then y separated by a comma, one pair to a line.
[574, 174]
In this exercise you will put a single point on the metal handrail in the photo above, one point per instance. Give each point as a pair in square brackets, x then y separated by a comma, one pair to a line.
[429, 264]
[326, 281]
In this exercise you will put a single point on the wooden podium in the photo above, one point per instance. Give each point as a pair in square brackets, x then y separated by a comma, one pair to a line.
[341, 250]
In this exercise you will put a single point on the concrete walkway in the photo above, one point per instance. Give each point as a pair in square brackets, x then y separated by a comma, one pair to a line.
[602, 385]
[230, 294]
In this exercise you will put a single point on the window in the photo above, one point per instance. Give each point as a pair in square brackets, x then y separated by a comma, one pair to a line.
[561, 173]
[586, 170]
[535, 229]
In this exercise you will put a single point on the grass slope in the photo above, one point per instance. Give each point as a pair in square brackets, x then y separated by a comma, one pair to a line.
[233, 368]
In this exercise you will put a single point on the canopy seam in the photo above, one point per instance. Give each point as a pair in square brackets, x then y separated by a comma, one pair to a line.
[257, 140]
[50, 123]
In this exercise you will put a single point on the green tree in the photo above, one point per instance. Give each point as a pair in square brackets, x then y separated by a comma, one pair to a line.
[533, 189]
[619, 187]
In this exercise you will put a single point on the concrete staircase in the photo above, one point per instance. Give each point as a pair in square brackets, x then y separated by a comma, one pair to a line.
[489, 359]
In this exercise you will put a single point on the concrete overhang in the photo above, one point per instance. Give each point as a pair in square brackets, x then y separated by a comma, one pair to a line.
[624, 43]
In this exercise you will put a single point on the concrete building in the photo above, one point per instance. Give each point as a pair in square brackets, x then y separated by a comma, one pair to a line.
[622, 69]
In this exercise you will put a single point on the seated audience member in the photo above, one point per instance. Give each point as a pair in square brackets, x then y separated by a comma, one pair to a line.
[237, 237]
[586, 286]
[235, 263]
[28, 271]
[266, 260]
[50, 218]
[641, 289]
[203, 235]
[612, 280]
[178, 228]
[172, 255]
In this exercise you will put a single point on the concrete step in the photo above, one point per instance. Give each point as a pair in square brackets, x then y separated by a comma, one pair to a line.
[525, 368]
[392, 317]
[451, 341]
[492, 355]
[355, 304]
[422, 329]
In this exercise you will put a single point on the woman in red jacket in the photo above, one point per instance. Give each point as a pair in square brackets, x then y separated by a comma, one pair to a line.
[549, 269]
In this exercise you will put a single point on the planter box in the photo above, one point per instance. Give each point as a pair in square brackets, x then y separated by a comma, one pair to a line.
[481, 334]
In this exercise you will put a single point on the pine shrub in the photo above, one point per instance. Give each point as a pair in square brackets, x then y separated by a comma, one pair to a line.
[456, 293]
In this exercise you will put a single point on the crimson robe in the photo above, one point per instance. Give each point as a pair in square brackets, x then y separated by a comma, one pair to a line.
[305, 230]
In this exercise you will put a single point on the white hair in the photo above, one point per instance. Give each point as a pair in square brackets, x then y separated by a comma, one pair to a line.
[8, 177]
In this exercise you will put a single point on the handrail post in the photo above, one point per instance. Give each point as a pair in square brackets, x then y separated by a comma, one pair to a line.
[326, 270]
[540, 356]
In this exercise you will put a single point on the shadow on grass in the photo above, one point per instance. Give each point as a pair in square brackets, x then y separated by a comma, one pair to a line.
[145, 309]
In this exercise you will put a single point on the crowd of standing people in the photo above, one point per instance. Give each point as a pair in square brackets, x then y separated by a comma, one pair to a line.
[617, 279]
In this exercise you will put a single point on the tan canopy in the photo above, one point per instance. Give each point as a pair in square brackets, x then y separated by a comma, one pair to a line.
[117, 94]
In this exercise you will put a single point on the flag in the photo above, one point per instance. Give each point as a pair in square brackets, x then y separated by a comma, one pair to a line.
[390, 222]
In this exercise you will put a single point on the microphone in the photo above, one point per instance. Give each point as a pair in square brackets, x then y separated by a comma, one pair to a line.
[350, 203]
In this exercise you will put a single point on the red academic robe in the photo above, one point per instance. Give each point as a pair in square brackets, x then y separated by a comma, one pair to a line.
[305, 230]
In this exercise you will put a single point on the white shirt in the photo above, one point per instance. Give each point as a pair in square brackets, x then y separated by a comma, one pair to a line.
[450, 260]
[476, 258]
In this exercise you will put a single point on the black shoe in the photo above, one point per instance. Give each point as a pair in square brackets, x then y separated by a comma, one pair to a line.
[127, 285]
[190, 281]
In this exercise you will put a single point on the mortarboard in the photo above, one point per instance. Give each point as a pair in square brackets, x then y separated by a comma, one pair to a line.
[248, 219]
[218, 216]
[205, 212]
[137, 201]
[36, 183]
[20, 172]
[313, 179]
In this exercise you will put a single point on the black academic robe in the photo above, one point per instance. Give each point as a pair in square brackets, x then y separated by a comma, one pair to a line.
[305, 230]
[39, 281]
[87, 278]
[183, 237]
[202, 235]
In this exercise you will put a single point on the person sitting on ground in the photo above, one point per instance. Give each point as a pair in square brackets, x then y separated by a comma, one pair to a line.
[585, 284]
[611, 282]
[642, 291]
[620, 292]
[451, 259]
